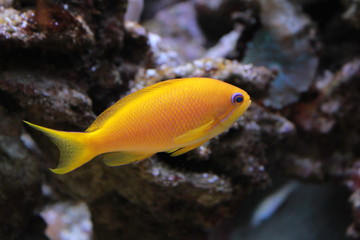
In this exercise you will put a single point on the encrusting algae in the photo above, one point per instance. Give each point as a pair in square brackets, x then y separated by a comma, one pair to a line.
[173, 116]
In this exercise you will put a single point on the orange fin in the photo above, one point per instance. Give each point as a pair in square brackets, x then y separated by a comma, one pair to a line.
[173, 150]
[186, 149]
[113, 159]
[73, 146]
[195, 133]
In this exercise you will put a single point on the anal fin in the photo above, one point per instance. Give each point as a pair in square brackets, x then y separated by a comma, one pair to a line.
[113, 159]
[186, 149]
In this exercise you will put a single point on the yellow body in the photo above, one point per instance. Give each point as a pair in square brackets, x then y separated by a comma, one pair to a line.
[173, 116]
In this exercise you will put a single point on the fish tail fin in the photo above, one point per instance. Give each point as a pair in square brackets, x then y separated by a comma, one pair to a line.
[73, 146]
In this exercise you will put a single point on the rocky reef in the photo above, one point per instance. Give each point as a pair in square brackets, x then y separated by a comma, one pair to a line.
[64, 62]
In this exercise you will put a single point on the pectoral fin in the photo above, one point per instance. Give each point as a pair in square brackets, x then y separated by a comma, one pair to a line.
[122, 158]
[183, 150]
[196, 133]
[173, 150]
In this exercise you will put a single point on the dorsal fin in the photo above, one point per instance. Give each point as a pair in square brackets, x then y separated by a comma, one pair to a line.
[104, 116]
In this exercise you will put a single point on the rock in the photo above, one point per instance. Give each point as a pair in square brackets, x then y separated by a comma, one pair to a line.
[284, 18]
[62, 63]
[226, 45]
[67, 220]
[352, 13]
[46, 98]
[151, 7]
[179, 30]
[284, 43]
[335, 101]
[319, 154]
[216, 18]
[21, 174]
[254, 79]
[247, 142]
[24, 29]
[134, 10]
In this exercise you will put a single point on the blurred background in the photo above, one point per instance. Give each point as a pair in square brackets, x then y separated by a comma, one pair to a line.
[289, 168]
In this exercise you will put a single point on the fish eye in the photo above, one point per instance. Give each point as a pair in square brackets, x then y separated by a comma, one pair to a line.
[237, 98]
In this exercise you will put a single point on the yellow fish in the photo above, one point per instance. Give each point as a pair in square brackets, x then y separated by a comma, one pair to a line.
[173, 116]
